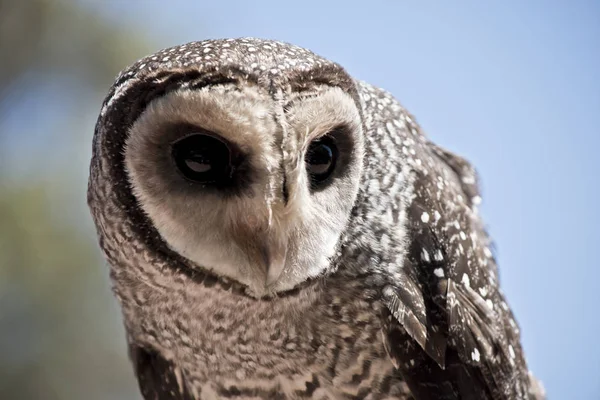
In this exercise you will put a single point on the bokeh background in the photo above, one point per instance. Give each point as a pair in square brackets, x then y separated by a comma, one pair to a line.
[514, 86]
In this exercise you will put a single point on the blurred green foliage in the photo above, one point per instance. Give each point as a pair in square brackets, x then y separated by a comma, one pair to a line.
[60, 329]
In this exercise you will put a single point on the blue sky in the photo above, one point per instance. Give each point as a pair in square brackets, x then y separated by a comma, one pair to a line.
[514, 87]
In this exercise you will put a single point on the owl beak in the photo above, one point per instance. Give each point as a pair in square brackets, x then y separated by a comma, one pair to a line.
[276, 256]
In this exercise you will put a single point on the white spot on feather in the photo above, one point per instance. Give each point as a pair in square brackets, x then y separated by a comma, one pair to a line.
[475, 356]
[466, 281]
[425, 255]
[487, 252]
[439, 272]
[425, 217]
[468, 179]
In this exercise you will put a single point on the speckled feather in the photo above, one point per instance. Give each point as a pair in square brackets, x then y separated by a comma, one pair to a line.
[411, 307]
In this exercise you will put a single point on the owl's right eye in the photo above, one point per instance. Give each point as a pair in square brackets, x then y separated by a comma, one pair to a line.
[203, 159]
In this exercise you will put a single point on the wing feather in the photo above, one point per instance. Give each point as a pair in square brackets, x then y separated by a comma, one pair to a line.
[447, 326]
[158, 378]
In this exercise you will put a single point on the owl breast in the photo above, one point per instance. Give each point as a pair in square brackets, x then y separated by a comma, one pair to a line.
[323, 342]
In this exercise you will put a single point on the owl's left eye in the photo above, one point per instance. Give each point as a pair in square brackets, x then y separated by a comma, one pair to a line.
[321, 158]
[203, 158]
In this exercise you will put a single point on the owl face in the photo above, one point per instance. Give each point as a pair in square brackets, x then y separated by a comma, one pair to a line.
[253, 187]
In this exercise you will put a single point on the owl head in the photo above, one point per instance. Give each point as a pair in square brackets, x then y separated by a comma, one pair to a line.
[242, 157]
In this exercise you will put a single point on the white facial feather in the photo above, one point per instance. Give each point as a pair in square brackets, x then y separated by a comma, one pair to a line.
[229, 234]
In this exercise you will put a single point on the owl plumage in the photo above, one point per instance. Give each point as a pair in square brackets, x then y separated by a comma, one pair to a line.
[278, 229]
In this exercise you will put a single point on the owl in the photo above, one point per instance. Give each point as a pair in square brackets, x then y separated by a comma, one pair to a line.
[277, 229]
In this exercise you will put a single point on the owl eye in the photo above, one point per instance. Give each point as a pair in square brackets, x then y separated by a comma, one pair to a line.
[321, 158]
[203, 158]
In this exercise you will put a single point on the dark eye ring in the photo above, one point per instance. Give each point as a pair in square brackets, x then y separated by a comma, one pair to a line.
[321, 158]
[203, 158]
